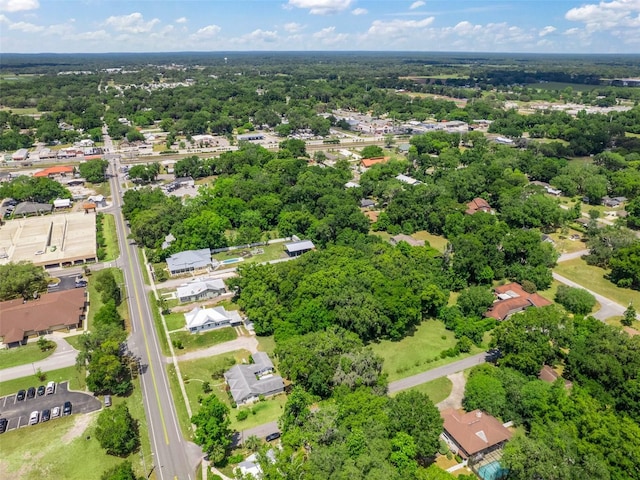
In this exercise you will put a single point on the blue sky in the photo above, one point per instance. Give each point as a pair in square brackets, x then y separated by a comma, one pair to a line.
[546, 26]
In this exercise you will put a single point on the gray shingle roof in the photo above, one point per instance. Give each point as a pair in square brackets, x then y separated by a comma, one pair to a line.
[300, 246]
[245, 384]
[191, 259]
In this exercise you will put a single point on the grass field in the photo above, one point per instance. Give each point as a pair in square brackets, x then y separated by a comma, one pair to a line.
[67, 448]
[197, 341]
[11, 357]
[75, 377]
[157, 320]
[550, 293]
[417, 352]
[271, 252]
[578, 87]
[437, 390]
[96, 302]
[436, 241]
[110, 237]
[174, 321]
[266, 344]
[563, 244]
[262, 412]
[592, 278]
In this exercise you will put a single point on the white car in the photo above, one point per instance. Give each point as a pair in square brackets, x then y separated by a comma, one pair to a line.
[55, 412]
[34, 417]
[51, 388]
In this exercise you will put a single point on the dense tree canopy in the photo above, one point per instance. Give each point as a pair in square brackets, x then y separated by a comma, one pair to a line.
[22, 279]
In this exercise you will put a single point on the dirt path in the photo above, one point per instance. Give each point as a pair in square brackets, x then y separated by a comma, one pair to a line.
[454, 400]
[80, 425]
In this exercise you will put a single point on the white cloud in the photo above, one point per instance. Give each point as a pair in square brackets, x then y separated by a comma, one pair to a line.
[181, 20]
[547, 30]
[133, 23]
[206, 32]
[359, 11]
[261, 36]
[328, 36]
[18, 5]
[293, 27]
[607, 15]
[398, 27]
[4, 19]
[417, 4]
[98, 35]
[321, 7]
[26, 27]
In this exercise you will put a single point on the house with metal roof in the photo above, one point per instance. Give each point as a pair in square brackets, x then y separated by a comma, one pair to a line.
[248, 383]
[198, 290]
[190, 261]
[203, 319]
[294, 249]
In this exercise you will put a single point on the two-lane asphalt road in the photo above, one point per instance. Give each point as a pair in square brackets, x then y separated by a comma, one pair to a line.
[174, 458]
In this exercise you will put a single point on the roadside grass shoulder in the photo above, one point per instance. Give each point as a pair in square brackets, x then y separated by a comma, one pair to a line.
[29, 353]
[95, 301]
[157, 321]
[437, 390]
[110, 237]
[418, 351]
[592, 278]
[191, 342]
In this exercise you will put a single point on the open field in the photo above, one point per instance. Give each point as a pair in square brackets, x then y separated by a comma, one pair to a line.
[417, 352]
[578, 87]
[197, 341]
[563, 244]
[270, 252]
[11, 357]
[592, 278]
[75, 377]
[436, 241]
[437, 390]
[67, 448]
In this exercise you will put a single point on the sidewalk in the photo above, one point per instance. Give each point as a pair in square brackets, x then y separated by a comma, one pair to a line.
[64, 356]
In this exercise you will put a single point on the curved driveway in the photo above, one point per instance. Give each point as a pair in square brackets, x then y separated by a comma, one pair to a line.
[64, 356]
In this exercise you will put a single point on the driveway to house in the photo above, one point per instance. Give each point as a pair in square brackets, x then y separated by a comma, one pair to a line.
[454, 400]
[240, 343]
[570, 256]
[444, 371]
[64, 356]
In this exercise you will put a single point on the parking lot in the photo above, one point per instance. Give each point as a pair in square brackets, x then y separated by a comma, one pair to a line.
[17, 412]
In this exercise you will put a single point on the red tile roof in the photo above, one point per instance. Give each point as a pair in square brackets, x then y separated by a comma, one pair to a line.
[58, 170]
[515, 300]
[57, 309]
[369, 162]
[478, 205]
[474, 431]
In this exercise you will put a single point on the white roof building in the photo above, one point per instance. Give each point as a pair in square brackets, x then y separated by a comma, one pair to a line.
[201, 319]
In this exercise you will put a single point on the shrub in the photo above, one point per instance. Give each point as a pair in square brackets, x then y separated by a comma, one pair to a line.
[242, 415]
[575, 300]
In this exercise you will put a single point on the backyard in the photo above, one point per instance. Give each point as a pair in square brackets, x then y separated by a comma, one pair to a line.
[264, 253]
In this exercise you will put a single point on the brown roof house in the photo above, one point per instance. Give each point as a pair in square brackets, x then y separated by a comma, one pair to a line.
[478, 205]
[52, 311]
[473, 435]
[511, 298]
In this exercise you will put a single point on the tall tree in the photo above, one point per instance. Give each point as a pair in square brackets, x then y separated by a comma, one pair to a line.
[117, 431]
[212, 428]
[21, 279]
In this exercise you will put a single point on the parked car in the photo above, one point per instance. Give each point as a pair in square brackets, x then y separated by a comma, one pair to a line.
[41, 390]
[272, 436]
[46, 415]
[31, 392]
[81, 283]
[107, 400]
[34, 417]
[3, 425]
[66, 409]
[51, 388]
[20, 395]
[55, 412]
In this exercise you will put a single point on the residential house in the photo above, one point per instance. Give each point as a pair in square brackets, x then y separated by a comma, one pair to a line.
[478, 205]
[198, 290]
[613, 202]
[99, 200]
[473, 435]
[248, 383]
[408, 180]
[203, 319]
[370, 162]
[295, 249]
[511, 298]
[190, 261]
[367, 203]
[168, 240]
[57, 171]
[549, 375]
[50, 312]
[396, 239]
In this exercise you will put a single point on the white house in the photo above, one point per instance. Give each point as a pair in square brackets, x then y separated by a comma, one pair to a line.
[203, 319]
[200, 290]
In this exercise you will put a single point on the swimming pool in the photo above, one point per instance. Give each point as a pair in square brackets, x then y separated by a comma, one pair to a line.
[492, 471]
[231, 260]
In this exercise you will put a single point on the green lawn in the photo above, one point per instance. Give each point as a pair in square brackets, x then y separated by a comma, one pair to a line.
[197, 341]
[437, 390]
[11, 357]
[183, 416]
[95, 302]
[417, 352]
[110, 237]
[592, 278]
[436, 241]
[74, 341]
[270, 252]
[75, 377]
[266, 344]
[262, 412]
[174, 321]
[67, 448]
[103, 188]
[563, 244]
[550, 293]
[157, 320]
